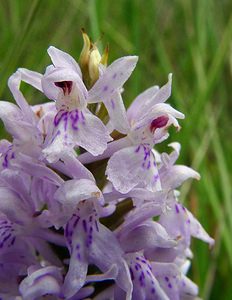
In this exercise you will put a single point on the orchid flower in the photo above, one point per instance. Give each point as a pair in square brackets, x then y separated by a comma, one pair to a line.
[88, 207]
[149, 119]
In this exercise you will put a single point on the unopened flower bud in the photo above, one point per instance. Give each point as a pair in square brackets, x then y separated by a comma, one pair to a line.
[90, 60]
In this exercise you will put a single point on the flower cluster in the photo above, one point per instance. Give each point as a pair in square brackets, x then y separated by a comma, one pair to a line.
[88, 207]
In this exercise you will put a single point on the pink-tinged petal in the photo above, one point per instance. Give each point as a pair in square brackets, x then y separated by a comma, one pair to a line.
[45, 281]
[31, 77]
[176, 175]
[61, 59]
[133, 166]
[116, 109]
[14, 86]
[112, 79]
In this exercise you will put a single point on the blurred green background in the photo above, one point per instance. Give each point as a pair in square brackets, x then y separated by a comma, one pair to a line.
[191, 39]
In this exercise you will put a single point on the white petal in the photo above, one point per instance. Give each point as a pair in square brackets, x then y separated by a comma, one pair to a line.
[176, 175]
[74, 191]
[14, 85]
[92, 134]
[31, 77]
[134, 111]
[61, 59]
[116, 109]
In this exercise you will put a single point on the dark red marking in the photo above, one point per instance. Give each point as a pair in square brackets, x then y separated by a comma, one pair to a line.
[158, 123]
[66, 86]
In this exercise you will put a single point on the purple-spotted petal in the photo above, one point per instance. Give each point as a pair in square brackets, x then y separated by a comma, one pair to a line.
[91, 242]
[133, 166]
[145, 284]
[173, 282]
[76, 128]
[92, 134]
[112, 79]
[116, 109]
[180, 223]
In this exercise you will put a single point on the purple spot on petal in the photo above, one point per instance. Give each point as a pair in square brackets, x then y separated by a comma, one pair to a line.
[137, 149]
[169, 285]
[177, 209]
[114, 76]
[84, 225]
[76, 222]
[105, 88]
[166, 278]
[156, 177]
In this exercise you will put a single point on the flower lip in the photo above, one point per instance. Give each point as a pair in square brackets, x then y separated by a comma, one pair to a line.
[66, 86]
[158, 123]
